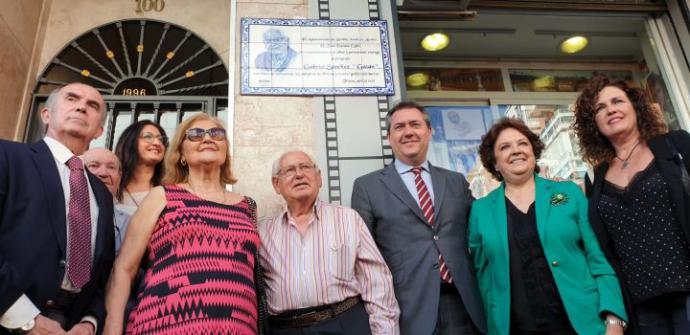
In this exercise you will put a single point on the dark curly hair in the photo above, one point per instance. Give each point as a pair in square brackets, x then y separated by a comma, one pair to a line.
[126, 151]
[486, 148]
[594, 146]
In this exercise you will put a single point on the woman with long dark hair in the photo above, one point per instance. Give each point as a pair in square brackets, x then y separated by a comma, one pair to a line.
[141, 149]
[639, 201]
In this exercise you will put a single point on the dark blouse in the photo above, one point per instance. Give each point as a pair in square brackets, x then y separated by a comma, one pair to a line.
[535, 303]
[646, 235]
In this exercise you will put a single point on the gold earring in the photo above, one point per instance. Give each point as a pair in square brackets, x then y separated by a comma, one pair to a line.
[183, 162]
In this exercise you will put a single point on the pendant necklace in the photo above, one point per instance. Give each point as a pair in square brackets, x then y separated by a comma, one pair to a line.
[626, 160]
[132, 197]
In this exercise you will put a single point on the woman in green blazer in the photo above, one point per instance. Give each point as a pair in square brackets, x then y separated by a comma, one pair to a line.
[539, 266]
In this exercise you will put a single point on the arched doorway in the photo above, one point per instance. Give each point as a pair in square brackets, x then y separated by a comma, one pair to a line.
[145, 69]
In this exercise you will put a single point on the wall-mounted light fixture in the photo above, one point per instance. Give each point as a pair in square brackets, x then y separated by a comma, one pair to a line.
[435, 42]
[417, 79]
[574, 44]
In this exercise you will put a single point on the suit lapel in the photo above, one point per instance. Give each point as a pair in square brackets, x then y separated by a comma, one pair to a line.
[542, 205]
[392, 180]
[438, 180]
[55, 198]
[101, 220]
[671, 172]
[598, 182]
[500, 218]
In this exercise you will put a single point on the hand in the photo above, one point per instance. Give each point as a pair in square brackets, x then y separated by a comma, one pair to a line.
[614, 330]
[82, 328]
[45, 326]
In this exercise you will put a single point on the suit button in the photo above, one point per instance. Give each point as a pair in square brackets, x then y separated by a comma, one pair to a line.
[62, 263]
[554, 263]
[50, 304]
[435, 237]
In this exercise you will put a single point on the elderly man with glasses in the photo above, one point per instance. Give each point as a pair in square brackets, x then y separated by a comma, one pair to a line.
[323, 271]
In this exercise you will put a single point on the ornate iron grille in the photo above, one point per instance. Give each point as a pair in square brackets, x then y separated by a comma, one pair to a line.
[144, 69]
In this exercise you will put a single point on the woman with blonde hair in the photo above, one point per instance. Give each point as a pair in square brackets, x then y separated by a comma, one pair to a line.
[201, 244]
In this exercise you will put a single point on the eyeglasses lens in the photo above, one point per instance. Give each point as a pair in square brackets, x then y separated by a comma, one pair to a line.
[150, 137]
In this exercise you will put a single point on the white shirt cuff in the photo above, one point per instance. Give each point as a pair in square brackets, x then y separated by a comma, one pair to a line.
[19, 314]
[90, 319]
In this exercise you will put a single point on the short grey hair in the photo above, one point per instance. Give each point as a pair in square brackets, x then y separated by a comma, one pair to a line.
[276, 163]
[53, 96]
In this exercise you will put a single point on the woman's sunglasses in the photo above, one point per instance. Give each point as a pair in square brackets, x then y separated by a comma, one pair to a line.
[197, 134]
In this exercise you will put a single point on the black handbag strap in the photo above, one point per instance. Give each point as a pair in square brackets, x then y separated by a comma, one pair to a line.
[262, 305]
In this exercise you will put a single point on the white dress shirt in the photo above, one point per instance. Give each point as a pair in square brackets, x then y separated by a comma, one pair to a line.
[407, 176]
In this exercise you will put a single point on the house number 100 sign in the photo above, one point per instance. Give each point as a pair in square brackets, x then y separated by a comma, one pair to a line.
[149, 5]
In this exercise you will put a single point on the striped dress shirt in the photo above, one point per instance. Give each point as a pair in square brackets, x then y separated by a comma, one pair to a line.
[335, 259]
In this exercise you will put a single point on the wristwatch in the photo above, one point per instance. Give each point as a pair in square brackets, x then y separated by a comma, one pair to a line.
[617, 322]
[25, 328]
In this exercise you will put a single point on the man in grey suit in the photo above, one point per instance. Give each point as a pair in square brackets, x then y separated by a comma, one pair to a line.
[417, 214]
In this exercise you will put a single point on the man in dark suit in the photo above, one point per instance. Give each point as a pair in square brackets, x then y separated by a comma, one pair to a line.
[417, 213]
[56, 223]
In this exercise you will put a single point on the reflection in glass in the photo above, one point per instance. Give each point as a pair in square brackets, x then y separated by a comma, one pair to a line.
[553, 123]
[528, 80]
[454, 79]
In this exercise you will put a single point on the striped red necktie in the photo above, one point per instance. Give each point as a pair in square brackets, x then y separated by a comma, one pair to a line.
[79, 217]
[428, 209]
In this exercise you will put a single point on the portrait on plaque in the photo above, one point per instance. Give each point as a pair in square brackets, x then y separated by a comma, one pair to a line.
[315, 57]
[278, 54]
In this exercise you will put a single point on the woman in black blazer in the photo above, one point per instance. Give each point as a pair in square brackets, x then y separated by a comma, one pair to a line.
[638, 201]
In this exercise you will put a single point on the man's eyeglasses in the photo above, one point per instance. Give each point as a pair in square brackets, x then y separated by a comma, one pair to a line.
[197, 134]
[150, 137]
[291, 171]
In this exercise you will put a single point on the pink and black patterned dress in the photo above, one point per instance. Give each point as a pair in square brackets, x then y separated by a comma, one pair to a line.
[200, 276]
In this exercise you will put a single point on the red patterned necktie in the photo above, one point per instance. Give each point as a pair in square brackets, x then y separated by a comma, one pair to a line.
[428, 209]
[79, 217]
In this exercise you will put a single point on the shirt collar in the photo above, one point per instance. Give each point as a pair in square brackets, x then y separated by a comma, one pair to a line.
[404, 168]
[286, 216]
[61, 153]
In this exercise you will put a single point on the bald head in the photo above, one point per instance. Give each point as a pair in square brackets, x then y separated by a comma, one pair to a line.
[105, 165]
